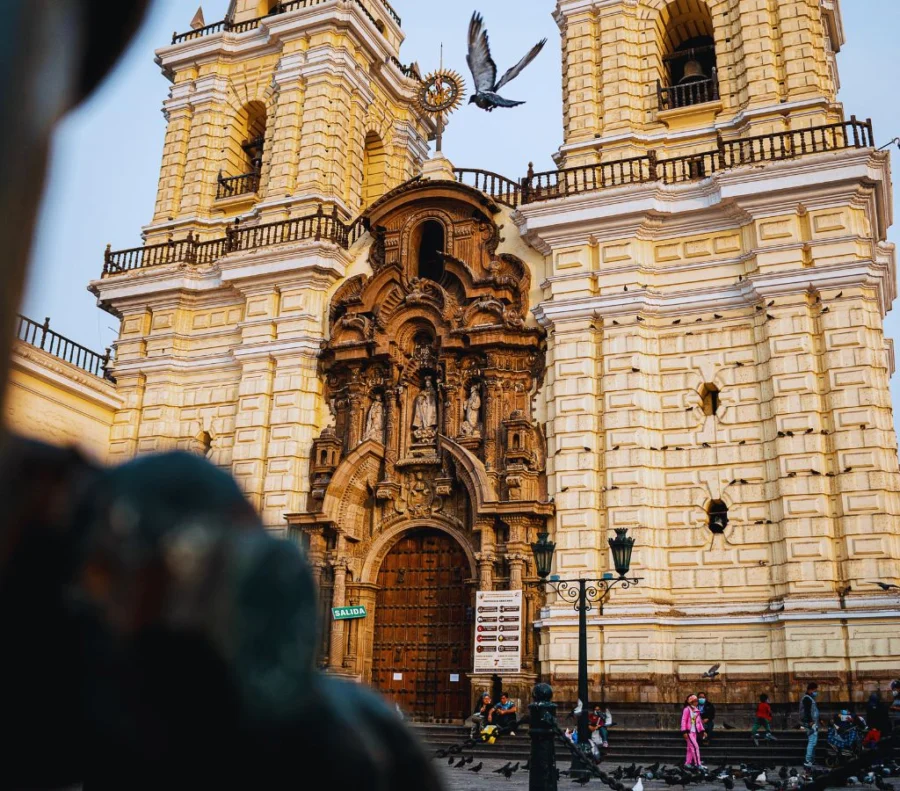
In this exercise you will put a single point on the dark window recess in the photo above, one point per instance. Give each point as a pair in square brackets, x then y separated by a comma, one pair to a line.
[690, 74]
[431, 248]
[718, 517]
[710, 395]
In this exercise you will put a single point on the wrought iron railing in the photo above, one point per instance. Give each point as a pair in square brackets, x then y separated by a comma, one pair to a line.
[42, 337]
[535, 187]
[229, 186]
[280, 8]
[691, 167]
[500, 188]
[314, 227]
[687, 94]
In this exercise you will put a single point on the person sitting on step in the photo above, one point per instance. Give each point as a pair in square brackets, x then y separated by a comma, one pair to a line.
[504, 713]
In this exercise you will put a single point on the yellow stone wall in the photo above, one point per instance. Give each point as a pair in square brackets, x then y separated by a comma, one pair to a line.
[326, 78]
[772, 287]
[50, 400]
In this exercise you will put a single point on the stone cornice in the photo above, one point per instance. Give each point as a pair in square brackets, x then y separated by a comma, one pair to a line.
[815, 181]
[745, 294]
[310, 263]
[273, 31]
[66, 376]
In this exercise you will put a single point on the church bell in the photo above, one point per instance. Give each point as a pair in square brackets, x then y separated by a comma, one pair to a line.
[693, 72]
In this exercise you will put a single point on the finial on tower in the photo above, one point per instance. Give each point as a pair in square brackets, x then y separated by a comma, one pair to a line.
[198, 21]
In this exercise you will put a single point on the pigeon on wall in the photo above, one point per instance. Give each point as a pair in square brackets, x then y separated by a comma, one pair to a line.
[484, 70]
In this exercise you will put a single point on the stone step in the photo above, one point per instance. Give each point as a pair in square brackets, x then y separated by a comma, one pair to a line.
[642, 747]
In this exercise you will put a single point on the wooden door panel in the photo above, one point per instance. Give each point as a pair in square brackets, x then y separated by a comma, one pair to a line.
[421, 628]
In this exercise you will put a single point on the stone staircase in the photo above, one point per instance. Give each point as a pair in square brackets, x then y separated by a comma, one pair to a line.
[642, 746]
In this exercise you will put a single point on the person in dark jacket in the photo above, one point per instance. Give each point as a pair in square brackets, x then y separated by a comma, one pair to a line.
[707, 712]
[809, 719]
[877, 715]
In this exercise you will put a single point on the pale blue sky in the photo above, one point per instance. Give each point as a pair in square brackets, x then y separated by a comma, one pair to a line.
[106, 155]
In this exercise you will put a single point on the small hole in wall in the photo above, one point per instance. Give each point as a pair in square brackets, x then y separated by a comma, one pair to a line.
[718, 517]
[710, 395]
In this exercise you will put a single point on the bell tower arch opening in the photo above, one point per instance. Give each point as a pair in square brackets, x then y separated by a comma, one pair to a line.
[689, 73]
[428, 245]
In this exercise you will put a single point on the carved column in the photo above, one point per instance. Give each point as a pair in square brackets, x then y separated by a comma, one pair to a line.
[516, 571]
[352, 637]
[485, 571]
[391, 406]
[492, 414]
[452, 401]
[338, 599]
[357, 416]
[316, 554]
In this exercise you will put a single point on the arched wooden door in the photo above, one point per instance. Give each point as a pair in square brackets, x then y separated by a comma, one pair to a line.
[421, 654]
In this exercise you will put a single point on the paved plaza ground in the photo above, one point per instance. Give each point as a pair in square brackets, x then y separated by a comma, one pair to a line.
[486, 780]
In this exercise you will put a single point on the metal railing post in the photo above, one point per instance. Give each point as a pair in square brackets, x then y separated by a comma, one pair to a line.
[541, 729]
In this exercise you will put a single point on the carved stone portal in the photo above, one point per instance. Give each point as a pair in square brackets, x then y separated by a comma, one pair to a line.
[431, 370]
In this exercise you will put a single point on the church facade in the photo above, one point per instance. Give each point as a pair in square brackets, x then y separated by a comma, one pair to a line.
[414, 370]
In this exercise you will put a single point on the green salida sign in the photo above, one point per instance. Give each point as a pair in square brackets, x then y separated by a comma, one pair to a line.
[348, 613]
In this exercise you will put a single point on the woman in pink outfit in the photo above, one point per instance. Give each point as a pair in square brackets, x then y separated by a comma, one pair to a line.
[691, 726]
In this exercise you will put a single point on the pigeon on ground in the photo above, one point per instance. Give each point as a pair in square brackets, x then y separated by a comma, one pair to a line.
[461, 762]
[638, 786]
[477, 767]
[470, 758]
[484, 70]
[502, 769]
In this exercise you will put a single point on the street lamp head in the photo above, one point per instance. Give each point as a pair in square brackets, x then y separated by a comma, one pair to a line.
[622, 546]
[543, 550]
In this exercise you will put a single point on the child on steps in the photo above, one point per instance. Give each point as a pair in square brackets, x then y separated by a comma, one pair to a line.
[763, 720]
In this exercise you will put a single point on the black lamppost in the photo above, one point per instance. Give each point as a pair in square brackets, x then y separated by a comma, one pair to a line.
[583, 593]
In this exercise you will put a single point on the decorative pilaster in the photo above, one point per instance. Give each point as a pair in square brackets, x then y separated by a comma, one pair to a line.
[338, 599]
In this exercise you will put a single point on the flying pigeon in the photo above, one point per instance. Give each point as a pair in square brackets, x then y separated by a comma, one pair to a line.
[484, 70]
[712, 672]
[886, 586]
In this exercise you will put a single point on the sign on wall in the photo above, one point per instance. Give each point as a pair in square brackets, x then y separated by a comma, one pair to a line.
[348, 613]
[498, 632]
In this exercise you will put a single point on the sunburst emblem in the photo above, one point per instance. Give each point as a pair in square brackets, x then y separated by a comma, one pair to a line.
[441, 92]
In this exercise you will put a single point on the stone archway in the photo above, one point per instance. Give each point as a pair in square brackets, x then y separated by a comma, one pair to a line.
[422, 643]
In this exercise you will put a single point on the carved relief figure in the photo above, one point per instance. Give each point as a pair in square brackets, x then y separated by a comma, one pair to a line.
[425, 413]
[471, 426]
[375, 420]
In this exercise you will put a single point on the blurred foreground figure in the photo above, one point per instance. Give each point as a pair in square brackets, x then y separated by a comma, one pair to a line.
[154, 635]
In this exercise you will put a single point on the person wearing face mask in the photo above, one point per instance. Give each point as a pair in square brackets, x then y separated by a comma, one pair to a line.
[707, 712]
[809, 719]
[692, 728]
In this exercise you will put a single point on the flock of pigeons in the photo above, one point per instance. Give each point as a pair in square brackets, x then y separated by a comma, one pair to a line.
[752, 778]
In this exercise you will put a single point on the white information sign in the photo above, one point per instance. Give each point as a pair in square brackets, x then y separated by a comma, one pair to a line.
[498, 631]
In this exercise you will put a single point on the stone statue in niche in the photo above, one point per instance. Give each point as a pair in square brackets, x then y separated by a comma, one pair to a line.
[375, 420]
[425, 417]
[471, 426]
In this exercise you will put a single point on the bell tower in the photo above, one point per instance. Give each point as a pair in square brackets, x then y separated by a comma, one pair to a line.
[717, 276]
[671, 75]
[283, 106]
[285, 120]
